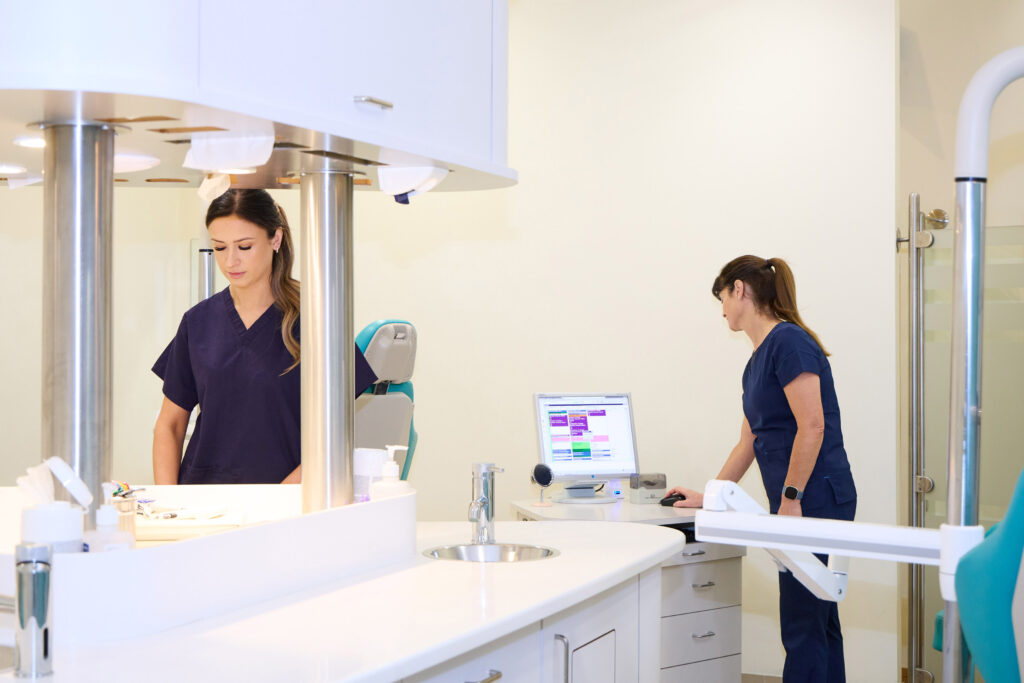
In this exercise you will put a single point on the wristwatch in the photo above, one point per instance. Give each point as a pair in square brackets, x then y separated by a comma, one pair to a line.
[792, 492]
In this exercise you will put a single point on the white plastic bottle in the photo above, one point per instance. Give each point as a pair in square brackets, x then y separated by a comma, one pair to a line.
[390, 485]
[107, 535]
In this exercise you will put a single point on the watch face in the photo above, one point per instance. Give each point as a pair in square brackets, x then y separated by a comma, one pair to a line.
[791, 492]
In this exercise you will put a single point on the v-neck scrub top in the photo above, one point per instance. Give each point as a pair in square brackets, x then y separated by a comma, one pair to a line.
[248, 428]
[785, 353]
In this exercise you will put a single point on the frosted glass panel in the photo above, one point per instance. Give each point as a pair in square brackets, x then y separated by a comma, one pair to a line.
[1002, 384]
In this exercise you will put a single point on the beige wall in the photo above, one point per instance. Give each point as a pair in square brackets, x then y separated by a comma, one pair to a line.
[654, 140]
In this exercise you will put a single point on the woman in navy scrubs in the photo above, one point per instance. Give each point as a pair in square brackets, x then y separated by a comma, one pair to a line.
[791, 427]
[236, 356]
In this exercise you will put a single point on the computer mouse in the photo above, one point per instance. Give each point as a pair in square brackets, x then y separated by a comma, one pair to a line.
[669, 501]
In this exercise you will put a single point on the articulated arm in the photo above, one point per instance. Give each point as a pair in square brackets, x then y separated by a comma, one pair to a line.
[733, 517]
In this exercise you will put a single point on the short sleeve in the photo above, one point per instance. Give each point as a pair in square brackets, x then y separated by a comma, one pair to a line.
[174, 367]
[797, 356]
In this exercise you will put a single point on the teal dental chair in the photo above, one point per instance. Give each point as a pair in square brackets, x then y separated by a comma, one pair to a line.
[990, 596]
[383, 413]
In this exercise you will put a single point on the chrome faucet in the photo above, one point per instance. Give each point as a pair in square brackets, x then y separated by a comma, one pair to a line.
[33, 650]
[481, 509]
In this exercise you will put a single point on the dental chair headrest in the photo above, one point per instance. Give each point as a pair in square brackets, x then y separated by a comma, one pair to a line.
[391, 351]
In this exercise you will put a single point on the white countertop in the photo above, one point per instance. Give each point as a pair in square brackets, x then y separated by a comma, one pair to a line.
[386, 627]
[619, 511]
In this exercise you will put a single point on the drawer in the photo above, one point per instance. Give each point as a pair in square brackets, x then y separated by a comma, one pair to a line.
[703, 552]
[700, 586]
[722, 670]
[698, 636]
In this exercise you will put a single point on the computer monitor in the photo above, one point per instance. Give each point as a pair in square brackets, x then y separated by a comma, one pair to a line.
[586, 437]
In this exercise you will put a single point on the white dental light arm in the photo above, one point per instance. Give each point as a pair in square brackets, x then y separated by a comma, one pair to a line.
[972, 123]
[731, 516]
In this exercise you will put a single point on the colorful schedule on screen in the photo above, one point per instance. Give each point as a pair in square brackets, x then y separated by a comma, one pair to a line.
[586, 436]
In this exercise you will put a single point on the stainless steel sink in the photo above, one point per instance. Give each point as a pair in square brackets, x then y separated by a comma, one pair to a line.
[492, 552]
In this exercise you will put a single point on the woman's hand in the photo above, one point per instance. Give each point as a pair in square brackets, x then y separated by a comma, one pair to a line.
[693, 498]
[790, 508]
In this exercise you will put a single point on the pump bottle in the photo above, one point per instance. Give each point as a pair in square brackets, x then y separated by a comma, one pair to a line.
[389, 484]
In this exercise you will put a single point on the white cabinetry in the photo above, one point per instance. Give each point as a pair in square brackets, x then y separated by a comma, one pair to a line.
[516, 658]
[428, 64]
[594, 641]
[700, 609]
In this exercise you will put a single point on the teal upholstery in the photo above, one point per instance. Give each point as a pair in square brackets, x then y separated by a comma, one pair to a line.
[986, 580]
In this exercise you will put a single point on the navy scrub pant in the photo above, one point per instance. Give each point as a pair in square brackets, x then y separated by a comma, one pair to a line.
[810, 627]
[810, 635]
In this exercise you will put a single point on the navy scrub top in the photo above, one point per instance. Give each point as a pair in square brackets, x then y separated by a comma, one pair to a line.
[247, 431]
[786, 352]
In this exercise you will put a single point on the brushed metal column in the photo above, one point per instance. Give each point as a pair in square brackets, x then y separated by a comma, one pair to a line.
[915, 572]
[328, 357]
[77, 198]
[965, 384]
[205, 274]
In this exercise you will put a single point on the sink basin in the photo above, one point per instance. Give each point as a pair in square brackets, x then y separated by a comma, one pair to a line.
[498, 552]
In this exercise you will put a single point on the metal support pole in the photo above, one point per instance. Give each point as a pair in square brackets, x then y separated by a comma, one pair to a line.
[965, 384]
[328, 356]
[205, 274]
[915, 572]
[77, 198]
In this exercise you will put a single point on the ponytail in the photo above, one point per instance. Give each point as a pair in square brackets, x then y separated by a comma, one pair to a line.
[771, 286]
[784, 303]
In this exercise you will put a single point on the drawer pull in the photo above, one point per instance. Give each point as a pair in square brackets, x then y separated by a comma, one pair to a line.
[695, 553]
[366, 99]
[565, 657]
[492, 676]
[706, 634]
[699, 586]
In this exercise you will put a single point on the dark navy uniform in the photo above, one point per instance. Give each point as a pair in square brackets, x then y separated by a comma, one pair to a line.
[810, 627]
[248, 429]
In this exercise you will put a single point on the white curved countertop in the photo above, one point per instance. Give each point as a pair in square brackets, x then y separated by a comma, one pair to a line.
[385, 627]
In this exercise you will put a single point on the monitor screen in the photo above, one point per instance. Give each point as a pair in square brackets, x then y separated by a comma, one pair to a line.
[586, 436]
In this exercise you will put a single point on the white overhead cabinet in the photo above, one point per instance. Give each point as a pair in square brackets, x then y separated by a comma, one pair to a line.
[413, 75]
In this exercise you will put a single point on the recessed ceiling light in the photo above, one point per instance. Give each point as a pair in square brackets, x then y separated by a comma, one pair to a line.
[11, 169]
[31, 141]
[129, 162]
[237, 171]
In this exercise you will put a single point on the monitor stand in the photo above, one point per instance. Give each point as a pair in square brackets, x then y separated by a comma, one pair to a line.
[584, 492]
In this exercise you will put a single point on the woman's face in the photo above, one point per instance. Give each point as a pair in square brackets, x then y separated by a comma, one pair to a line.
[733, 306]
[244, 253]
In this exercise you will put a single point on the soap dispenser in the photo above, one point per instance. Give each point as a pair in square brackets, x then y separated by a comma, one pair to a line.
[389, 484]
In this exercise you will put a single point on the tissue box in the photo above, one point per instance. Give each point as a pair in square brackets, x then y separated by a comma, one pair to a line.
[647, 488]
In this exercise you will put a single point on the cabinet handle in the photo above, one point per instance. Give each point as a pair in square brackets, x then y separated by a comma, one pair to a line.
[367, 99]
[492, 676]
[695, 553]
[698, 586]
[565, 656]
[706, 634]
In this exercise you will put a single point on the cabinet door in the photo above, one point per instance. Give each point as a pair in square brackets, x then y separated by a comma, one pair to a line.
[426, 63]
[607, 623]
[516, 657]
[595, 661]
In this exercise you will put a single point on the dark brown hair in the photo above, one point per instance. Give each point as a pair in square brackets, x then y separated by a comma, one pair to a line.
[259, 208]
[771, 286]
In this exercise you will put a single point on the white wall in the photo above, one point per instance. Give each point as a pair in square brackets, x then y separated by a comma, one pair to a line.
[655, 141]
